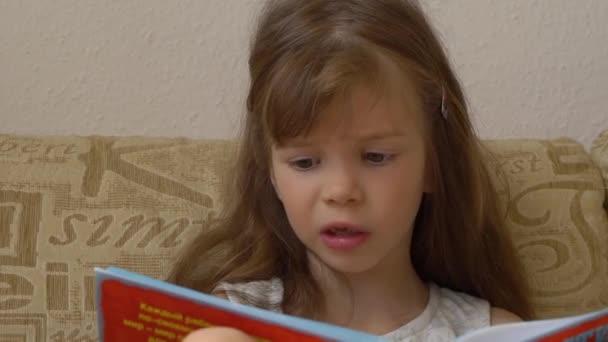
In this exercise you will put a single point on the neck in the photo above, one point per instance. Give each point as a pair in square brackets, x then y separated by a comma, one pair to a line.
[377, 301]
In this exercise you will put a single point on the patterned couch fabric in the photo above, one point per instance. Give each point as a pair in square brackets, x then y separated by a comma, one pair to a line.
[599, 154]
[555, 196]
[69, 204]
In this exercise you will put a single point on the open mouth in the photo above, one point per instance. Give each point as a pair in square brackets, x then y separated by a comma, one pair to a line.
[343, 237]
[341, 231]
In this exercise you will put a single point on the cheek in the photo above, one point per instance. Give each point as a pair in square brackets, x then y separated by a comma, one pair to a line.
[298, 212]
[297, 197]
[399, 193]
[289, 189]
[294, 198]
[277, 178]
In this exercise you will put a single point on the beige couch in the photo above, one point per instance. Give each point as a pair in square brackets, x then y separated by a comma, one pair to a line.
[68, 204]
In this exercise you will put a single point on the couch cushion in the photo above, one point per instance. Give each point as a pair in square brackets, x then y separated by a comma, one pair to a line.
[557, 221]
[69, 204]
[599, 154]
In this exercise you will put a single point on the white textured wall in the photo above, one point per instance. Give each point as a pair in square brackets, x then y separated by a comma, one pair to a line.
[531, 68]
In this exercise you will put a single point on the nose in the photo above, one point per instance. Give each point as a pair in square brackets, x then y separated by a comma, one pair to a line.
[342, 187]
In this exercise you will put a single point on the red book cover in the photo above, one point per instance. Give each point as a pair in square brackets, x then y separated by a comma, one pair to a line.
[132, 307]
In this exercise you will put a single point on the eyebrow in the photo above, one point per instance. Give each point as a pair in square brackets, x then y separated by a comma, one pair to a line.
[382, 135]
[299, 142]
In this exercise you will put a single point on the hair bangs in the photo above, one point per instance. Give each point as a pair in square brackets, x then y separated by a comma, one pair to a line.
[294, 101]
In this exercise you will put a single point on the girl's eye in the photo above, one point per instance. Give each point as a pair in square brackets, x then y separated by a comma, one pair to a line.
[303, 164]
[377, 158]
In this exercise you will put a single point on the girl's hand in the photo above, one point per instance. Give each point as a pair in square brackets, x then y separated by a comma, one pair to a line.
[218, 334]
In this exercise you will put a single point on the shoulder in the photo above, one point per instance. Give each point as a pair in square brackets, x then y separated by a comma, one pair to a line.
[265, 294]
[461, 311]
[501, 316]
[463, 303]
[460, 306]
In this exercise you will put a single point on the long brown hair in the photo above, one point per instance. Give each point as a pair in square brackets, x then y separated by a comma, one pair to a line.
[304, 54]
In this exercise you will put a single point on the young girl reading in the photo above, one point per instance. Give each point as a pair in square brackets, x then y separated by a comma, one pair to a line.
[360, 197]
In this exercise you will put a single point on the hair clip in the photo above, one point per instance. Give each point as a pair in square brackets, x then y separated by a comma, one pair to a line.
[444, 108]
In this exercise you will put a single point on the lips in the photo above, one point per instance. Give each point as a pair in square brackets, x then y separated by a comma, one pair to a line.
[343, 236]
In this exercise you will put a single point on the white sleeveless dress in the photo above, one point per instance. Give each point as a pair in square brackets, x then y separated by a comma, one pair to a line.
[448, 314]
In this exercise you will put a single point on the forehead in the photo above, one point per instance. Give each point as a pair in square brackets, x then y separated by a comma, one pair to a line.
[380, 96]
[392, 107]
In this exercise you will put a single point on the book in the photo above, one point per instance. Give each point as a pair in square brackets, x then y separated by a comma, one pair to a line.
[133, 307]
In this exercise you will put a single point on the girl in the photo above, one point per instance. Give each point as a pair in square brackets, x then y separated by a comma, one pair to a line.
[360, 198]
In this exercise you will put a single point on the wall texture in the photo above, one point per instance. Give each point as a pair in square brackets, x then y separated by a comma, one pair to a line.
[531, 68]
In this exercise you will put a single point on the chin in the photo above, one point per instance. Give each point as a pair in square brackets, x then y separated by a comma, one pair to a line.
[349, 264]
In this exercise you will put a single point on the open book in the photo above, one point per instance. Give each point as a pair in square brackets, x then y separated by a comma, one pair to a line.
[132, 307]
